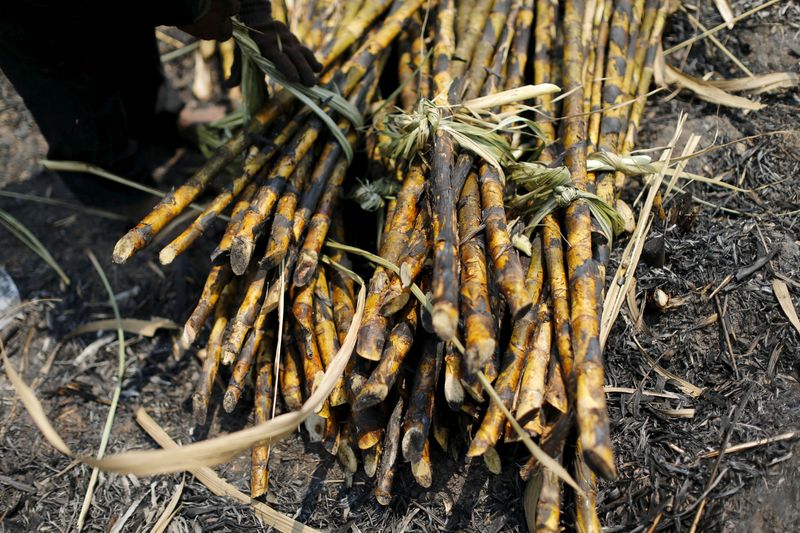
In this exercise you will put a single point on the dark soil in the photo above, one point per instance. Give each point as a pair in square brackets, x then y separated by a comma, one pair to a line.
[734, 343]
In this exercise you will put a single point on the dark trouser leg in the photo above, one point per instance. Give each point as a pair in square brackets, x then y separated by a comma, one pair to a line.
[91, 98]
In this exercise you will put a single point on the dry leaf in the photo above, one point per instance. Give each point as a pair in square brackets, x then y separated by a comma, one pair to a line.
[760, 83]
[148, 328]
[219, 486]
[668, 75]
[724, 8]
[785, 300]
[204, 453]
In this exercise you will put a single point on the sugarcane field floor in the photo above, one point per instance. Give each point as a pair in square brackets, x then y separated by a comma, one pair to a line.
[733, 355]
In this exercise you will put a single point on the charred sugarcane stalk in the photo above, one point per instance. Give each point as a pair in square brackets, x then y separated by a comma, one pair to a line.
[259, 469]
[588, 368]
[417, 422]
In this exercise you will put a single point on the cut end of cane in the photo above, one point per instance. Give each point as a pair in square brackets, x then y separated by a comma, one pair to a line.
[453, 392]
[371, 459]
[259, 481]
[394, 303]
[382, 497]
[413, 442]
[479, 445]
[445, 320]
[167, 255]
[188, 337]
[125, 248]
[241, 252]
[347, 458]
[370, 342]
[369, 439]
[230, 400]
[422, 473]
[315, 425]
[229, 354]
[200, 407]
[479, 353]
[370, 395]
[601, 460]
[492, 460]
[306, 265]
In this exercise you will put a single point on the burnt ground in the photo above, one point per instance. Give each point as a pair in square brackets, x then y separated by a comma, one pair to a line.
[736, 345]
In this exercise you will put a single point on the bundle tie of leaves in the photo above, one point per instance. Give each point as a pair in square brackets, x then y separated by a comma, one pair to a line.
[636, 165]
[371, 195]
[549, 189]
[472, 125]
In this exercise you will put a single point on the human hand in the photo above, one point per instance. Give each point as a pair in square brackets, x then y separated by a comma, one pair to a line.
[286, 52]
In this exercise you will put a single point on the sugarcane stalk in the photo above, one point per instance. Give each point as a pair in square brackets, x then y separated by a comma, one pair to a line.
[555, 393]
[238, 211]
[410, 264]
[422, 469]
[372, 458]
[372, 332]
[417, 422]
[545, 32]
[532, 385]
[645, 78]
[290, 380]
[208, 374]
[346, 454]
[480, 338]
[318, 227]
[548, 506]
[218, 278]
[383, 486]
[453, 390]
[398, 345]
[463, 15]
[471, 32]
[176, 201]
[240, 372]
[342, 286]
[518, 58]
[330, 433]
[259, 462]
[283, 221]
[588, 368]
[302, 310]
[614, 122]
[586, 520]
[506, 384]
[204, 220]
[595, 81]
[325, 329]
[481, 59]
[507, 267]
[408, 63]
[245, 317]
[495, 75]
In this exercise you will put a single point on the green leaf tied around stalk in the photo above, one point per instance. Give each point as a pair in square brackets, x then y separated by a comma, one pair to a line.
[473, 125]
[632, 165]
[371, 195]
[307, 95]
[547, 189]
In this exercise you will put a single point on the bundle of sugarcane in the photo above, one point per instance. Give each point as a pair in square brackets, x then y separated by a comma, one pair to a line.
[283, 203]
[462, 305]
[549, 373]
